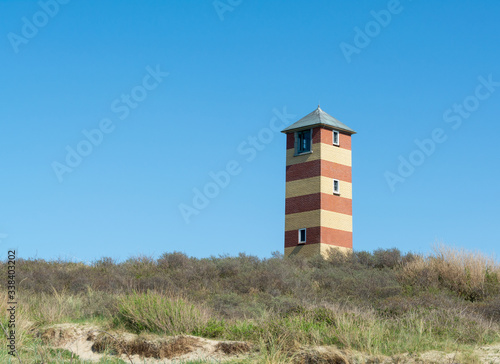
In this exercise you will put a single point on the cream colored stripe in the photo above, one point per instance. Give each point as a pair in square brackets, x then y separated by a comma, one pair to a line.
[302, 220]
[303, 187]
[335, 154]
[326, 249]
[335, 220]
[291, 158]
[308, 250]
[317, 184]
[320, 150]
[330, 219]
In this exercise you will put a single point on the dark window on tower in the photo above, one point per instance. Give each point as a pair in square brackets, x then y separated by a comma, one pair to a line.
[336, 135]
[336, 187]
[302, 236]
[303, 141]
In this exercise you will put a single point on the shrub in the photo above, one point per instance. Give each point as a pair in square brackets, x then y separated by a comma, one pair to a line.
[175, 260]
[365, 258]
[388, 258]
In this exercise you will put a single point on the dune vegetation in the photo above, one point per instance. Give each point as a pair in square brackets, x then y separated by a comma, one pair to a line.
[381, 303]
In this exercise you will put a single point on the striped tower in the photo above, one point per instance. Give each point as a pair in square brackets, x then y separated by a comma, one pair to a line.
[318, 207]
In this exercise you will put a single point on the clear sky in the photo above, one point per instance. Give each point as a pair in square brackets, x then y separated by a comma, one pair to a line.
[113, 113]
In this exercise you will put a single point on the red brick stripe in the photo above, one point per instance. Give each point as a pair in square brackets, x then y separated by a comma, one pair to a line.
[290, 141]
[321, 135]
[318, 168]
[303, 170]
[304, 203]
[336, 203]
[344, 139]
[317, 135]
[317, 201]
[312, 237]
[336, 237]
[337, 171]
[322, 235]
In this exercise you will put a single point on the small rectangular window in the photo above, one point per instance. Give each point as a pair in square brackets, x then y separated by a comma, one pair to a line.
[336, 136]
[302, 236]
[336, 188]
[303, 141]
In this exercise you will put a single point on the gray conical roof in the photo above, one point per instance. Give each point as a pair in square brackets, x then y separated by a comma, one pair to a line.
[318, 118]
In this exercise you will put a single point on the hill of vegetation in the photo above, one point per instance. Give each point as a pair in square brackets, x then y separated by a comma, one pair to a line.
[382, 304]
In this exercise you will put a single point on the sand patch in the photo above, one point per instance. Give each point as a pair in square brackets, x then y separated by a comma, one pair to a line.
[91, 343]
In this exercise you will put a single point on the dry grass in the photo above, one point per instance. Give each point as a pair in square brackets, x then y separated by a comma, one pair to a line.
[158, 349]
[233, 347]
[322, 355]
[472, 275]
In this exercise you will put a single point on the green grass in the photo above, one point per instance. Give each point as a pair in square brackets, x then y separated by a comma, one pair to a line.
[154, 312]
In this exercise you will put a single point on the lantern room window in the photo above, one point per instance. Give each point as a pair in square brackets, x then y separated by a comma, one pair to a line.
[303, 142]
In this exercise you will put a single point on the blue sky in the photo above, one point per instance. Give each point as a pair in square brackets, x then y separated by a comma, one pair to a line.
[175, 89]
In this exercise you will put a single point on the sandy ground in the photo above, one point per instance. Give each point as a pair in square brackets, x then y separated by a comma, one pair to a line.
[81, 340]
[89, 343]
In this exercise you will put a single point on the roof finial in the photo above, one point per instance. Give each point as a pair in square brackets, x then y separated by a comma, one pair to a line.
[318, 104]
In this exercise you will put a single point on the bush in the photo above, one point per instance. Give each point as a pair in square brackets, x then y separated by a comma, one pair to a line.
[389, 258]
[175, 260]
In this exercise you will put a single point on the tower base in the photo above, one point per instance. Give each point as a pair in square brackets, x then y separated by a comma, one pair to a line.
[310, 250]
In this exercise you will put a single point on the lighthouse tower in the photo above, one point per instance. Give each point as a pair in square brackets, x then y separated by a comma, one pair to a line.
[318, 206]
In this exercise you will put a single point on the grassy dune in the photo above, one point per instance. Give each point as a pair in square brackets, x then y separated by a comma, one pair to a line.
[380, 303]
